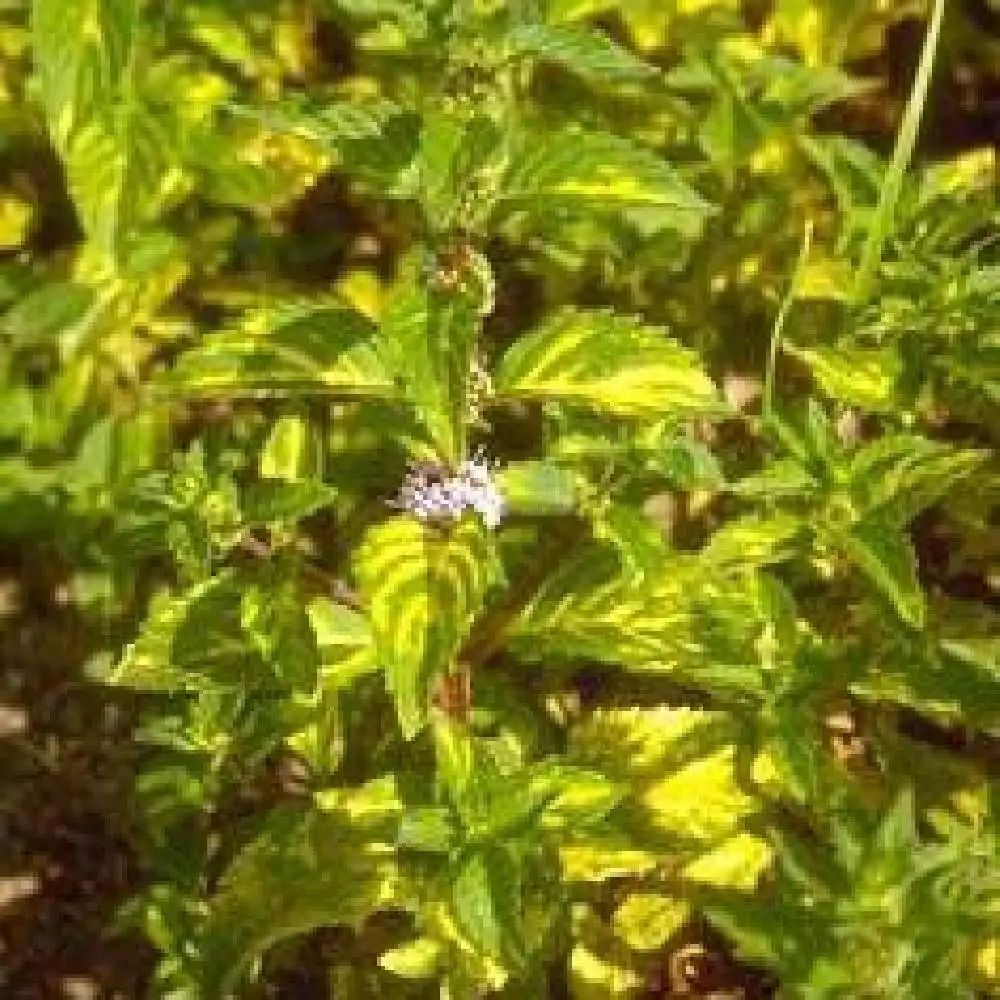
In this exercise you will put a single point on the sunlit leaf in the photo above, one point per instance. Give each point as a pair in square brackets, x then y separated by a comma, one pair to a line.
[303, 871]
[646, 921]
[423, 586]
[591, 54]
[886, 556]
[309, 348]
[427, 342]
[575, 172]
[605, 362]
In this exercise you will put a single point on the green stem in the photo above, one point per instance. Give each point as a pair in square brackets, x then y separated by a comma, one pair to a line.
[871, 255]
[489, 637]
[781, 319]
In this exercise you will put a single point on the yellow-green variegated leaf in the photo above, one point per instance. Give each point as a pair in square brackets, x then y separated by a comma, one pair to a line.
[121, 176]
[119, 154]
[296, 348]
[647, 22]
[288, 453]
[987, 963]
[423, 586]
[346, 651]
[899, 475]
[686, 804]
[597, 859]
[885, 554]
[463, 958]
[428, 341]
[82, 49]
[737, 863]
[577, 173]
[15, 221]
[754, 541]
[638, 744]
[699, 799]
[187, 638]
[685, 616]
[679, 763]
[866, 378]
[600, 965]
[596, 977]
[329, 126]
[645, 921]
[588, 53]
[304, 870]
[603, 362]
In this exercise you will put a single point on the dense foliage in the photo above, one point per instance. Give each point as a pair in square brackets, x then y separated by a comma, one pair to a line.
[507, 442]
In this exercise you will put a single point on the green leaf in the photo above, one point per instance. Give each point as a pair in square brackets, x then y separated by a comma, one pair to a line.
[289, 451]
[758, 928]
[303, 871]
[605, 362]
[687, 465]
[732, 130]
[684, 617]
[423, 586]
[156, 660]
[83, 53]
[274, 502]
[948, 672]
[372, 140]
[56, 312]
[637, 540]
[900, 475]
[223, 633]
[335, 625]
[276, 622]
[864, 377]
[427, 829]
[329, 126]
[781, 478]
[292, 349]
[427, 342]
[538, 487]
[487, 901]
[571, 172]
[319, 730]
[590, 54]
[884, 553]
[455, 153]
[754, 541]
[118, 151]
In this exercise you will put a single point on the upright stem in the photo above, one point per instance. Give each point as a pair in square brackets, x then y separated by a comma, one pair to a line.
[781, 319]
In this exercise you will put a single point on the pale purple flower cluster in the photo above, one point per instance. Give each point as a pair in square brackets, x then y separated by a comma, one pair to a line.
[431, 496]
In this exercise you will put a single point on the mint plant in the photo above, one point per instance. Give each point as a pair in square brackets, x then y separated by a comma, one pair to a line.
[482, 616]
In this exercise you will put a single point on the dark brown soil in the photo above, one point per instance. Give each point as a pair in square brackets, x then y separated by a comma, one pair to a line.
[65, 784]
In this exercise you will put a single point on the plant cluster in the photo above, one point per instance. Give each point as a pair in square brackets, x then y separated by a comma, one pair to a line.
[506, 441]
